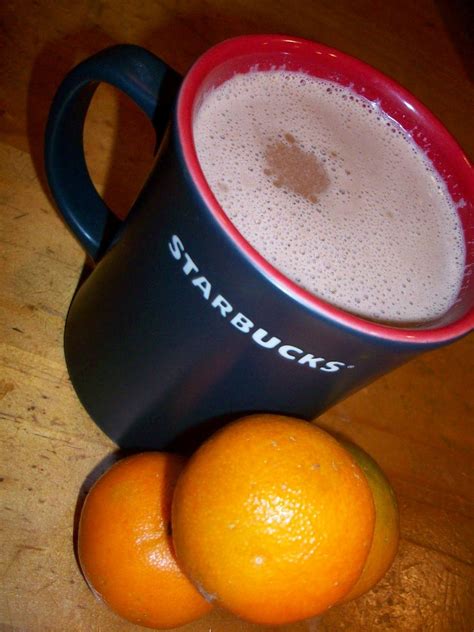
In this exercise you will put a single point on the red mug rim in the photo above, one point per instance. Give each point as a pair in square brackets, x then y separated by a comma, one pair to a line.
[249, 47]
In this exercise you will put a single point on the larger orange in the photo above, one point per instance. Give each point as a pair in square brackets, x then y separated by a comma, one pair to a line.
[125, 546]
[272, 519]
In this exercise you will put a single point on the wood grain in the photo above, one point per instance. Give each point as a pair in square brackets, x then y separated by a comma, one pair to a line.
[417, 421]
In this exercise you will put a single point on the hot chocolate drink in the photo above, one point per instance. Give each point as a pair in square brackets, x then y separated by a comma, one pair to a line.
[333, 193]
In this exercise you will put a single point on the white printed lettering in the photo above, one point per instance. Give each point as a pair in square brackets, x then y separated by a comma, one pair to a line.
[259, 336]
[287, 351]
[176, 247]
[223, 304]
[242, 323]
[189, 266]
[203, 284]
[310, 359]
[333, 366]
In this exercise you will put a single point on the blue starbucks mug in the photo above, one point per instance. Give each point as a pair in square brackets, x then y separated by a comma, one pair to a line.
[182, 324]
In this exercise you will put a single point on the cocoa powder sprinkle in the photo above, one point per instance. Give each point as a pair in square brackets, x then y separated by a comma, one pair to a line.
[297, 170]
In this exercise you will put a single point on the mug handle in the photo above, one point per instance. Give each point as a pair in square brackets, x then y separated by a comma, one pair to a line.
[150, 83]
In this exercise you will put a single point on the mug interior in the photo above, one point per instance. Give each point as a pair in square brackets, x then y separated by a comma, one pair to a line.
[270, 52]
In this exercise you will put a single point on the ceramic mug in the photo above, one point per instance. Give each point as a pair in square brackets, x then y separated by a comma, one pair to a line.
[167, 337]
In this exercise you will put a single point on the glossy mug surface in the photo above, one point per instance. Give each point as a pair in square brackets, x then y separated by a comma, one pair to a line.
[182, 324]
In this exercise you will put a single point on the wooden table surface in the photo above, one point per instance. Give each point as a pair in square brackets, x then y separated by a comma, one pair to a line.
[417, 421]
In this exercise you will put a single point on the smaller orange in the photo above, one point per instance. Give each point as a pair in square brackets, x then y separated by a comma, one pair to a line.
[125, 547]
[387, 528]
[272, 519]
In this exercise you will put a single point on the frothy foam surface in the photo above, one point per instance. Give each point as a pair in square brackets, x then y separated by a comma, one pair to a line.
[332, 193]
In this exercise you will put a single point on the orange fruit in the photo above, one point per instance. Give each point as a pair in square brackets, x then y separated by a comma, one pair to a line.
[387, 524]
[125, 548]
[272, 519]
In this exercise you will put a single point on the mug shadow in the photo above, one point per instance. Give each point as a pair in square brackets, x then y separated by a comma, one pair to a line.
[458, 18]
[50, 67]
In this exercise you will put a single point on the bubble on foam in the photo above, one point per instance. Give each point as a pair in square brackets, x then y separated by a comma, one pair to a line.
[383, 240]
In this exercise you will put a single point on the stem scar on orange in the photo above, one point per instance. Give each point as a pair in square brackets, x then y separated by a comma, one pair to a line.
[125, 548]
[272, 519]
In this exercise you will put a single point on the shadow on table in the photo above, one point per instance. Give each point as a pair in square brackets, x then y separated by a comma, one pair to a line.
[458, 18]
[128, 160]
